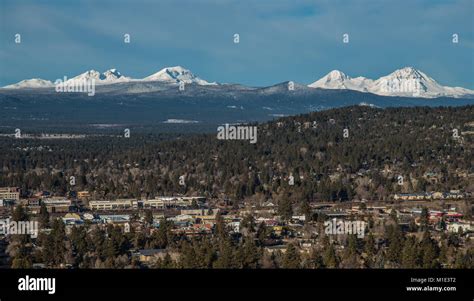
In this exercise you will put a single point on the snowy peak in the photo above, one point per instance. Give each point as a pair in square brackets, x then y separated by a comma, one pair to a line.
[169, 75]
[112, 74]
[31, 83]
[172, 74]
[108, 77]
[408, 73]
[336, 75]
[339, 80]
[333, 80]
[407, 81]
[410, 82]
[88, 75]
[176, 74]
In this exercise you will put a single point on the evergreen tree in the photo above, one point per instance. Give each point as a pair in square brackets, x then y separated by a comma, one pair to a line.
[429, 252]
[220, 228]
[395, 244]
[226, 255]
[285, 209]
[424, 218]
[248, 223]
[409, 253]
[43, 217]
[250, 254]
[20, 247]
[163, 236]
[315, 260]
[57, 239]
[370, 245]
[350, 257]
[330, 258]
[20, 214]
[148, 217]
[292, 258]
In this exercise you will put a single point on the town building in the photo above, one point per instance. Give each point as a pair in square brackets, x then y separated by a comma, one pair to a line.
[57, 204]
[10, 193]
[458, 226]
[83, 194]
[113, 205]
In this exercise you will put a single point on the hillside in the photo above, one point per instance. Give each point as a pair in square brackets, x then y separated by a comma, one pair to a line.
[382, 145]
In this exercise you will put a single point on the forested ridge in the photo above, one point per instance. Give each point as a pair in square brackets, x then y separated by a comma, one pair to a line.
[381, 145]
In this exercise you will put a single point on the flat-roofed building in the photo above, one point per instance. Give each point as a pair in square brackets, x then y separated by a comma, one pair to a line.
[198, 212]
[112, 205]
[83, 194]
[172, 202]
[57, 204]
[412, 196]
[458, 226]
[114, 218]
[154, 203]
[10, 193]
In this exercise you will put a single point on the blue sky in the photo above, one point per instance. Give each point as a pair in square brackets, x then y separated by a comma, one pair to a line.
[279, 39]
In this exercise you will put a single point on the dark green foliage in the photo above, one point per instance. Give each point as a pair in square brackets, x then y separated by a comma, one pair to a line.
[292, 258]
[397, 137]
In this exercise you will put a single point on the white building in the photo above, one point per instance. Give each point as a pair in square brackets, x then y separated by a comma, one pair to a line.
[455, 227]
[113, 205]
[10, 193]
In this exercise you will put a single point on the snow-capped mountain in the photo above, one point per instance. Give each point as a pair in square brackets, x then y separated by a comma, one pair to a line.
[113, 75]
[176, 74]
[338, 80]
[412, 82]
[407, 81]
[31, 83]
[110, 76]
[88, 75]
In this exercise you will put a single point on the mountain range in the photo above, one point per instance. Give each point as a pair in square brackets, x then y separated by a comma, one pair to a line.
[405, 82]
[170, 75]
[160, 102]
